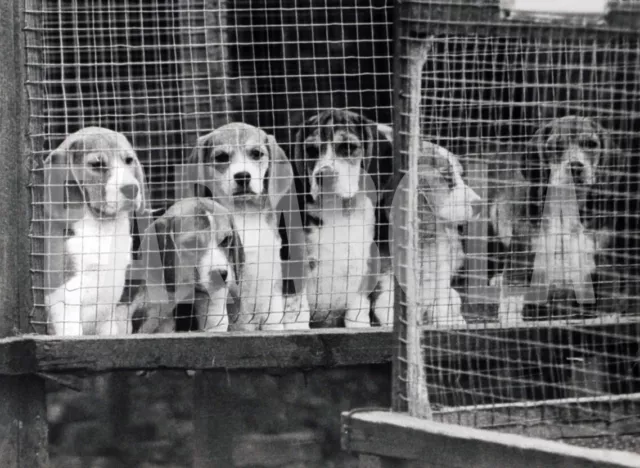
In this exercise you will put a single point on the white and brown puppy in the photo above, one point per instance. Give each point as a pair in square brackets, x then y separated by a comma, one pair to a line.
[337, 157]
[244, 168]
[93, 184]
[191, 254]
[556, 217]
[445, 202]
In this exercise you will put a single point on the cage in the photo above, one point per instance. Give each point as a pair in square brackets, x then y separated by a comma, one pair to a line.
[516, 142]
[164, 75]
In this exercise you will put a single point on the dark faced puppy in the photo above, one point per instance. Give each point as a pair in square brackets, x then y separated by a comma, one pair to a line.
[338, 155]
[553, 221]
[569, 151]
[191, 254]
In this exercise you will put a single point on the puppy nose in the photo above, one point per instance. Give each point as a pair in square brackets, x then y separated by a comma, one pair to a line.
[577, 172]
[130, 191]
[216, 275]
[324, 174]
[242, 178]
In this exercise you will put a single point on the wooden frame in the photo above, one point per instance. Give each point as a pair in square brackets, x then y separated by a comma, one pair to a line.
[398, 440]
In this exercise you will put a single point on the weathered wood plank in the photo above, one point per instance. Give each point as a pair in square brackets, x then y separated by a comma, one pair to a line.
[300, 350]
[23, 423]
[433, 444]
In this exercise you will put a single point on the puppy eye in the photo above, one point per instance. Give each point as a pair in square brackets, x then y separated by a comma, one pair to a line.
[449, 177]
[128, 160]
[256, 154]
[98, 165]
[348, 148]
[590, 143]
[312, 152]
[221, 158]
[226, 242]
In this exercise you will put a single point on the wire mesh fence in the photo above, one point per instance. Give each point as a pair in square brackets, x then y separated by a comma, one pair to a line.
[168, 77]
[518, 226]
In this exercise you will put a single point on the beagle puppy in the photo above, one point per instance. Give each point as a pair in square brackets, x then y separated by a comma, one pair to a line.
[445, 203]
[93, 184]
[554, 221]
[339, 159]
[191, 254]
[243, 168]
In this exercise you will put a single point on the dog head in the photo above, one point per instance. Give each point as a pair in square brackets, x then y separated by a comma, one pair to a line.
[240, 163]
[197, 247]
[95, 168]
[569, 150]
[443, 191]
[336, 149]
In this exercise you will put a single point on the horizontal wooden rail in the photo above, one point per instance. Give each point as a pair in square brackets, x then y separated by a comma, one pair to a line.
[30, 354]
[396, 436]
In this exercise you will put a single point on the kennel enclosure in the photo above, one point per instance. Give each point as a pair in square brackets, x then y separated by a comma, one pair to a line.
[481, 78]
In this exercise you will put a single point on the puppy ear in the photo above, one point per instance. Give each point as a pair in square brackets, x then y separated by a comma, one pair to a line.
[301, 136]
[532, 167]
[159, 254]
[64, 197]
[198, 171]
[237, 252]
[280, 176]
[142, 180]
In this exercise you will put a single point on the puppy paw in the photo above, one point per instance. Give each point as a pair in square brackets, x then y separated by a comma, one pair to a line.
[446, 310]
[357, 313]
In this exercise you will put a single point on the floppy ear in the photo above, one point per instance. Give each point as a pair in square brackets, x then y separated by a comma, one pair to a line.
[142, 180]
[198, 170]
[298, 151]
[64, 196]
[163, 251]
[237, 252]
[533, 166]
[280, 174]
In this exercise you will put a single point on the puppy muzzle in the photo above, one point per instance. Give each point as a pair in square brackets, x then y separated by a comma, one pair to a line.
[326, 176]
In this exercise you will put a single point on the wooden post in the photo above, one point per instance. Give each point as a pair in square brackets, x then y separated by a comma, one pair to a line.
[23, 421]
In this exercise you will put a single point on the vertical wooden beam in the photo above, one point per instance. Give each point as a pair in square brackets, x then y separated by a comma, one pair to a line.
[216, 420]
[401, 103]
[23, 422]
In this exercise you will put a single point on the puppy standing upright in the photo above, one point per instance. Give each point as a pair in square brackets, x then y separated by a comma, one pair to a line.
[94, 182]
[556, 217]
[246, 170]
[342, 171]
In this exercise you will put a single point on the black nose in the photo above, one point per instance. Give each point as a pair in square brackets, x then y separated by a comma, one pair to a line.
[130, 191]
[577, 172]
[324, 174]
[218, 276]
[242, 178]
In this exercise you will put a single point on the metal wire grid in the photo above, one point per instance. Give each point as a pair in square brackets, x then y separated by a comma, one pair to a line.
[482, 90]
[165, 73]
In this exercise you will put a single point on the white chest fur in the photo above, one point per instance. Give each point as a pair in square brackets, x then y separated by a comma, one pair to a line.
[339, 251]
[439, 260]
[261, 285]
[565, 254]
[99, 252]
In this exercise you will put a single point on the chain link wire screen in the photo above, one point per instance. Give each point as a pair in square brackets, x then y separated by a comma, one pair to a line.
[164, 75]
[517, 222]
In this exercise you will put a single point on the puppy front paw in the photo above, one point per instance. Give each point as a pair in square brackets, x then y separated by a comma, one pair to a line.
[357, 313]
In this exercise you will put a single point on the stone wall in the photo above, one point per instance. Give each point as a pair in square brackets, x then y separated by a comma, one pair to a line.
[124, 420]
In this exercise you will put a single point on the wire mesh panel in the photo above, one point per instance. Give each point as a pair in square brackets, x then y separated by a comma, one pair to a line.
[518, 232]
[149, 86]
